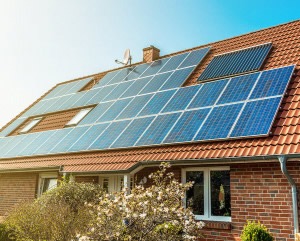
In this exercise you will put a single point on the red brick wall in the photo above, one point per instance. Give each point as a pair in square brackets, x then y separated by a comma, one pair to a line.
[16, 187]
[258, 192]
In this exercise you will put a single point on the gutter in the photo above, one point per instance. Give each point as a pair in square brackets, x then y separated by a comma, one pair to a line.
[283, 161]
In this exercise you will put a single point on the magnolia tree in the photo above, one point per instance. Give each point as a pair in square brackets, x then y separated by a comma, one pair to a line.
[153, 213]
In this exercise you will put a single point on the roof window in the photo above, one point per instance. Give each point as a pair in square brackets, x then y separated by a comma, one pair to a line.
[78, 117]
[30, 125]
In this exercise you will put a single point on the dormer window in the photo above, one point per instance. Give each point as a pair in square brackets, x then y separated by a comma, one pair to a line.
[30, 125]
[78, 117]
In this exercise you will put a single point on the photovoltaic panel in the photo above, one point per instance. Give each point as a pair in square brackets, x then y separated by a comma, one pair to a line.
[121, 76]
[64, 144]
[27, 140]
[158, 129]
[182, 98]
[10, 145]
[80, 100]
[155, 83]
[208, 94]
[256, 118]
[87, 97]
[3, 147]
[132, 133]
[39, 107]
[89, 137]
[155, 67]
[106, 78]
[118, 91]
[36, 143]
[101, 94]
[157, 103]
[134, 107]
[97, 112]
[80, 84]
[54, 92]
[273, 82]
[238, 89]
[136, 87]
[177, 79]
[173, 63]
[195, 57]
[219, 122]
[114, 110]
[109, 135]
[137, 71]
[11, 127]
[187, 126]
[69, 102]
[56, 105]
[51, 141]
[236, 62]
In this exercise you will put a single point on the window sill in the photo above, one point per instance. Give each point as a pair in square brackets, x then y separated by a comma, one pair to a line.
[217, 225]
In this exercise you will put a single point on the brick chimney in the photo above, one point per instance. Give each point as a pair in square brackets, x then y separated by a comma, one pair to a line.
[150, 54]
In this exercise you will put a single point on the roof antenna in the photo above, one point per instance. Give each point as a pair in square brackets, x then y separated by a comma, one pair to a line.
[127, 58]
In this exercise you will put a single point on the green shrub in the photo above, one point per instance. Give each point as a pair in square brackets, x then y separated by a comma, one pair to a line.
[255, 232]
[4, 234]
[58, 215]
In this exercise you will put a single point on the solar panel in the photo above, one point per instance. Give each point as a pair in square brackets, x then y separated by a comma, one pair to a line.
[137, 71]
[187, 126]
[51, 141]
[136, 87]
[240, 61]
[173, 63]
[208, 94]
[114, 110]
[121, 76]
[36, 143]
[65, 143]
[157, 103]
[256, 118]
[97, 112]
[55, 92]
[134, 107]
[182, 98]
[83, 142]
[219, 122]
[109, 135]
[158, 129]
[195, 57]
[273, 82]
[101, 94]
[80, 84]
[10, 145]
[118, 91]
[155, 83]
[55, 106]
[155, 67]
[106, 78]
[238, 88]
[12, 127]
[177, 79]
[132, 133]
[9, 141]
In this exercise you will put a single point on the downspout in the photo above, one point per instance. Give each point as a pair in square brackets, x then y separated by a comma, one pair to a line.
[283, 160]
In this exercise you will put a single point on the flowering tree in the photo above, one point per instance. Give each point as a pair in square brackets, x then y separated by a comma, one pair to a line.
[153, 213]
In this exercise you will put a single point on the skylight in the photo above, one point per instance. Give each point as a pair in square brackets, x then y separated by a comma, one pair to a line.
[30, 125]
[78, 117]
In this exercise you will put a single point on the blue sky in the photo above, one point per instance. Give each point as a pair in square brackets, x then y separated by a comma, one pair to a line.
[46, 42]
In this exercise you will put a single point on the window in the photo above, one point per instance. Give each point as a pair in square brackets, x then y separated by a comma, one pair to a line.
[47, 182]
[209, 198]
[30, 125]
[78, 117]
[113, 183]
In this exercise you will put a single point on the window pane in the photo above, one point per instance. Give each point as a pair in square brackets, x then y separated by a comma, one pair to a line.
[220, 193]
[48, 184]
[78, 117]
[195, 195]
[105, 184]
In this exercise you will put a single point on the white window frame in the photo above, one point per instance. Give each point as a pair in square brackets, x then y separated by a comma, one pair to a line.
[207, 190]
[42, 177]
[78, 117]
[115, 182]
[30, 125]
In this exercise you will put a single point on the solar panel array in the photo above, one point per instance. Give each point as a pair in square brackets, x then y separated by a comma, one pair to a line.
[241, 61]
[236, 107]
[163, 74]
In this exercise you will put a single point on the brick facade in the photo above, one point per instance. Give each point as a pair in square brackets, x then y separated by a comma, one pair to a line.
[16, 187]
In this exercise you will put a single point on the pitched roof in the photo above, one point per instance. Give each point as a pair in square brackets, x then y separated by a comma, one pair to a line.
[286, 128]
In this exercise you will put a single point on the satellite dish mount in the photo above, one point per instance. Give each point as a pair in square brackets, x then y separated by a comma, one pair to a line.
[127, 58]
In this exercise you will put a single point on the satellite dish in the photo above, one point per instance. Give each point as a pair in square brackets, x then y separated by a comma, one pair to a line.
[127, 58]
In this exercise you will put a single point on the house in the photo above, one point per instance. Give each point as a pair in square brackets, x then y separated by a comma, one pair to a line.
[225, 115]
